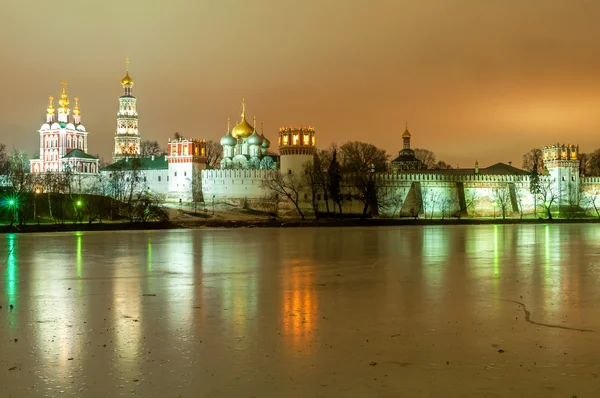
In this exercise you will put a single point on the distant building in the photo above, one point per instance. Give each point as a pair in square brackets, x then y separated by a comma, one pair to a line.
[406, 160]
[63, 140]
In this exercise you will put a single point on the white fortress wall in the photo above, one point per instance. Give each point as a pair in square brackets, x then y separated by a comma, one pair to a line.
[441, 195]
[233, 186]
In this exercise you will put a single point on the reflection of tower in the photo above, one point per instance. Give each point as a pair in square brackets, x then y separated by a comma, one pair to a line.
[299, 307]
[127, 137]
[296, 147]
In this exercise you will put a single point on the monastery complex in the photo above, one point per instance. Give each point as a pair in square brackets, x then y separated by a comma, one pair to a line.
[249, 159]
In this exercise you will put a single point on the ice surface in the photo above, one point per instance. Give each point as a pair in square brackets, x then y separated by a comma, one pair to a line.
[329, 312]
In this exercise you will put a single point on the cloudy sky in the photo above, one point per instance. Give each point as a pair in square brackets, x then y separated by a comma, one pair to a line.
[475, 79]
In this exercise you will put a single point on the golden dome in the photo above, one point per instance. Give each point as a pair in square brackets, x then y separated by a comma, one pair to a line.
[243, 129]
[406, 132]
[127, 81]
[51, 105]
[64, 98]
[76, 110]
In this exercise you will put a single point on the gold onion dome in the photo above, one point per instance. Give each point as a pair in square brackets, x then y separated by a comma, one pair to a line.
[50, 105]
[127, 81]
[76, 110]
[406, 133]
[243, 129]
[64, 99]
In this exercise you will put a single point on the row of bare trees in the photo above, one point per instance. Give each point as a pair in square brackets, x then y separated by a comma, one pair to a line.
[59, 197]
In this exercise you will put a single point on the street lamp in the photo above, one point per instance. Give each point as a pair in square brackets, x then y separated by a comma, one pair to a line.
[37, 192]
[213, 205]
[12, 204]
[494, 209]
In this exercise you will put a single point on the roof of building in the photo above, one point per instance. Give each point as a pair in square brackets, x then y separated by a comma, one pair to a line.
[140, 163]
[495, 169]
[77, 153]
[406, 155]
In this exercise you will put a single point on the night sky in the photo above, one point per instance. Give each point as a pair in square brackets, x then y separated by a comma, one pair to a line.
[474, 79]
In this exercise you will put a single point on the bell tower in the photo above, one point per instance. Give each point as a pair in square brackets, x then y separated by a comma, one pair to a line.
[127, 136]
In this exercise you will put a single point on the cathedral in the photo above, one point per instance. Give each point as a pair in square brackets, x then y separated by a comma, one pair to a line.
[245, 148]
[64, 140]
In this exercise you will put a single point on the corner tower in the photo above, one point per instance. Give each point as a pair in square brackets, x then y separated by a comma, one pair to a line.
[127, 137]
[562, 163]
[296, 148]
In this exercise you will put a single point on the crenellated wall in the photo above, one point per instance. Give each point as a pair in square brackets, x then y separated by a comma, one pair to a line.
[439, 195]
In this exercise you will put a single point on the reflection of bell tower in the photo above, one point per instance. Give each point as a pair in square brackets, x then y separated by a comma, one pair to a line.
[127, 137]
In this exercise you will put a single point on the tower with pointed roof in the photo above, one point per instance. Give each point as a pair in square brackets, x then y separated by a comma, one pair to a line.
[127, 136]
[64, 140]
[406, 160]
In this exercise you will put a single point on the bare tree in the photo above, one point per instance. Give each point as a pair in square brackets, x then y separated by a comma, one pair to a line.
[446, 205]
[548, 195]
[289, 186]
[593, 200]
[583, 164]
[362, 160]
[151, 148]
[502, 199]
[214, 154]
[576, 202]
[533, 161]
[426, 157]
[593, 163]
[441, 165]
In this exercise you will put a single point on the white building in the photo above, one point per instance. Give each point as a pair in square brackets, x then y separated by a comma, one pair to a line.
[63, 140]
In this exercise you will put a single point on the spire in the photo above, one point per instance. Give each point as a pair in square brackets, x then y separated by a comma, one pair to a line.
[127, 81]
[262, 130]
[64, 99]
[243, 108]
[63, 111]
[228, 125]
[254, 123]
[77, 112]
[50, 114]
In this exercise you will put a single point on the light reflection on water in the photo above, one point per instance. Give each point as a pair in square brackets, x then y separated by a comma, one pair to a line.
[243, 292]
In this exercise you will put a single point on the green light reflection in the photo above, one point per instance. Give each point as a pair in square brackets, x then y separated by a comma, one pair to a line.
[149, 254]
[79, 235]
[11, 276]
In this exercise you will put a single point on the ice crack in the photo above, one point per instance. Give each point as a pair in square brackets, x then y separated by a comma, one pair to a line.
[547, 325]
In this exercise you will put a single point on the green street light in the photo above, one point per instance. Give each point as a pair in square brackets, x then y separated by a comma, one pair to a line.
[11, 202]
[79, 203]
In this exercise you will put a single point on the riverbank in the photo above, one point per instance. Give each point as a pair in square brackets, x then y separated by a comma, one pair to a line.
[273, 223]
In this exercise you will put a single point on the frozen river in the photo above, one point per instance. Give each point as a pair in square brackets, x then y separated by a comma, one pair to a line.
[449, 311]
